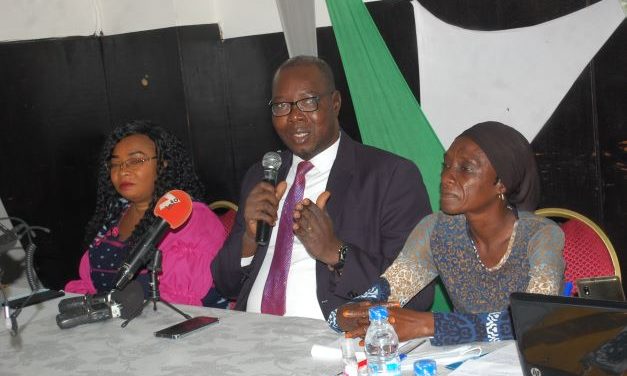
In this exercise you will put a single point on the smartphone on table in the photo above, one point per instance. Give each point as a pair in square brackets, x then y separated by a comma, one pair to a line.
[603, 288]
[186, 327]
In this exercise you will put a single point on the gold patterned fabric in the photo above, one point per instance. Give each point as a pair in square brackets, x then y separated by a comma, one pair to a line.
[440, 246]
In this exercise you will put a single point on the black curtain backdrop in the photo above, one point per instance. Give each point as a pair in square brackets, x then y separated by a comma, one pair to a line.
[59, 98]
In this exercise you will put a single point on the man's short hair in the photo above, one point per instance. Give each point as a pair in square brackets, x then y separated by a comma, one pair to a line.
[302, 60]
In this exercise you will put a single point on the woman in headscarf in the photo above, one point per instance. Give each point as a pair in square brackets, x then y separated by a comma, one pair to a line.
[484, 244]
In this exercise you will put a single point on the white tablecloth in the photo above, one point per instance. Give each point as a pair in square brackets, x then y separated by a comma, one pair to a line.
[240, 344]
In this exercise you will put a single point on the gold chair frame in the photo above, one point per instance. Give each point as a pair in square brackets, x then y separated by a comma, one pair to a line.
[223, 204]
[569, 214]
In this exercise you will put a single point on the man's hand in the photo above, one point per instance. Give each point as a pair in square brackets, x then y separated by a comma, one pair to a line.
[262, 204]
[314, 228]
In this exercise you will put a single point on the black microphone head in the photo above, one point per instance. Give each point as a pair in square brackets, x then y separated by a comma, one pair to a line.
[129, 301]
[271, 161]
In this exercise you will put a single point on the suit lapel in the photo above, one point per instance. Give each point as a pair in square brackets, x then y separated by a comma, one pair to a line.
[340, 176]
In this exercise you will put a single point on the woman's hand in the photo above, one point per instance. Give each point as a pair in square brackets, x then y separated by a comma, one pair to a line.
[353, 318]
[410, 324]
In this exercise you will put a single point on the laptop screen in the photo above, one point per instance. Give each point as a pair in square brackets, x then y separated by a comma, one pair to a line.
[558, 335]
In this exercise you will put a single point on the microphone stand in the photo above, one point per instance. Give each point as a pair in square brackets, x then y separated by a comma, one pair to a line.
[10, 319]
[154, 266]
[33, 281]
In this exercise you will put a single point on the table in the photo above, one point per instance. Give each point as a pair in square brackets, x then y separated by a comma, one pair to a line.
[240, 344]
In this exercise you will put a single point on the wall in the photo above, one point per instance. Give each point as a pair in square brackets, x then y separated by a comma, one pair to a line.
[32, 19]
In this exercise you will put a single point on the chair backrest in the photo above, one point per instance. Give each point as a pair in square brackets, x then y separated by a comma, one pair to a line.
[226, 211]
[588, 252]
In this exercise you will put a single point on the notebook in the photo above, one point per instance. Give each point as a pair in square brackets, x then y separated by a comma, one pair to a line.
[559, 336]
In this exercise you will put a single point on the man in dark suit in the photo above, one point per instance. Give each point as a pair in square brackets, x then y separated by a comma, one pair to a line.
[367, 201]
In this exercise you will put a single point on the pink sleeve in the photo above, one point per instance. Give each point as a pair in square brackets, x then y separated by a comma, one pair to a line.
[187, 256]
[83, 285]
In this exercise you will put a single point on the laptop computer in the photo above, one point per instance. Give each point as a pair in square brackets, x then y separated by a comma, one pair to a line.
[559, 336]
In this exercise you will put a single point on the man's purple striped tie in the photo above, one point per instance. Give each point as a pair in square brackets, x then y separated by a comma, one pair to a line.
[273, 300]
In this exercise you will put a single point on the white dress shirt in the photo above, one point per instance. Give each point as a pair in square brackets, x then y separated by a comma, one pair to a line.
[300, 298]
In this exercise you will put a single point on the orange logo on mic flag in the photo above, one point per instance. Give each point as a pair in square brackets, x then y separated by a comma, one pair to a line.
[174, 207]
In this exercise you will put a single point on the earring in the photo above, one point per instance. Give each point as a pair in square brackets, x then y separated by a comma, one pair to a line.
[501, 196]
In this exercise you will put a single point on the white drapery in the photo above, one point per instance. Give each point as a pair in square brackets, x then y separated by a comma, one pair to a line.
[516, 76]
[298, 18]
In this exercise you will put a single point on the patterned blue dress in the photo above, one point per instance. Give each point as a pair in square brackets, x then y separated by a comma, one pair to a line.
[107, 253]
[440, 245]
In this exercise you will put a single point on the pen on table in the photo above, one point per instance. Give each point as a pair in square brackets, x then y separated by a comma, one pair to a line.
[409, 347]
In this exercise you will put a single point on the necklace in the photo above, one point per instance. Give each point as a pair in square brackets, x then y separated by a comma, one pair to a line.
[505, 256]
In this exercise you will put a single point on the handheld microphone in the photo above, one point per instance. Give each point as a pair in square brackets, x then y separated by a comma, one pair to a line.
[271, 162]
[126, 304]
[173, 208]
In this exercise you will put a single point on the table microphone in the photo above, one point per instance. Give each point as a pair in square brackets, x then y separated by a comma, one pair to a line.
[126, 304]
[271, 163]
[81, 302]
[173, 209]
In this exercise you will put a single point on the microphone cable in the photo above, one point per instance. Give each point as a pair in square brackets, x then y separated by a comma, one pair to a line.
[24, 229]
[20, 230]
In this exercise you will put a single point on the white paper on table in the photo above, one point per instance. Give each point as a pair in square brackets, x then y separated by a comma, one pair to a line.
[443, 355]
[501, 362]
[332, 351]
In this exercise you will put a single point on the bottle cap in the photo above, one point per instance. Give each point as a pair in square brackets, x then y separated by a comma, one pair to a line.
[425, 367]
[377, 313]
[568, 288]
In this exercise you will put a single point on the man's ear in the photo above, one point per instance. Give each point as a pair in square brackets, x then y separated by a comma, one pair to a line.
[336, 101]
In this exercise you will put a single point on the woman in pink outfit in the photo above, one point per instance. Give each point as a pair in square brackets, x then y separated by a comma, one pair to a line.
[140, 162]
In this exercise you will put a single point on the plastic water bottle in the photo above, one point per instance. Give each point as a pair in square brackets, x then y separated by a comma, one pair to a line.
[382, 344]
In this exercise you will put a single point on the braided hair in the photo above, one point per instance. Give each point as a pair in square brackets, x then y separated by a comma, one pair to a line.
[176, 173]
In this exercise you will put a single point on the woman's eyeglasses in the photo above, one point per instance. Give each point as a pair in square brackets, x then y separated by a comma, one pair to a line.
[130, 164]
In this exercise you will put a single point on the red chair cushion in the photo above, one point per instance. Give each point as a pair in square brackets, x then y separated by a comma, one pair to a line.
[585, 253]
[228, 219]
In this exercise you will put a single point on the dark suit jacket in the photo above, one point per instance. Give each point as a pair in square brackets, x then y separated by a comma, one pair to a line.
[377, 198]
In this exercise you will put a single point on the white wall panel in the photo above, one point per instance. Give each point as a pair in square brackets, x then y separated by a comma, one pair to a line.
[516, 76]
[35, 19]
